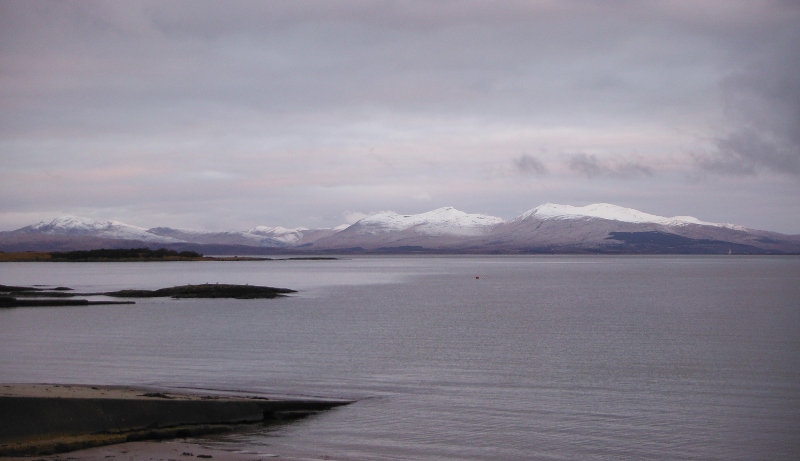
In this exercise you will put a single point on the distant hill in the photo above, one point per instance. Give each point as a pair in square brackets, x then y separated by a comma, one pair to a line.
[549, 228]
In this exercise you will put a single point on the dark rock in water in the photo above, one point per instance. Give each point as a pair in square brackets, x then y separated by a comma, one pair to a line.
[14, 302]
[6, 301]
[44, 294]
[58, 292]
[159, 395]
[12, 289]
[206, 291]
[14, 296]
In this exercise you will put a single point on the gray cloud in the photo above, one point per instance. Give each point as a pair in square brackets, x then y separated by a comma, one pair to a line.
[762, 109]
[591, 166]
[265, 112]
[524, 60]
[529, 165]
[747, 151]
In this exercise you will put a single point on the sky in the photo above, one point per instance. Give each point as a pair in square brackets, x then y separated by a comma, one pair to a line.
[230, 115]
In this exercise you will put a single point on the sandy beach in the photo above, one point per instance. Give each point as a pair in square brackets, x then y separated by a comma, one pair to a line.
[85, 422]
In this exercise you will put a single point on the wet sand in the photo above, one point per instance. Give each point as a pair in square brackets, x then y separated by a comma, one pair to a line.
[169, 450]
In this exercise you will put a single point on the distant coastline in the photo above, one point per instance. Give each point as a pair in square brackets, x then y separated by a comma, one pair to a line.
[600, 228]
[129, 255]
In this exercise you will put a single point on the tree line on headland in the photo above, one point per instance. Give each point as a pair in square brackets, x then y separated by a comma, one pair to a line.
[103, 254]
[123, 253]
[133, 255]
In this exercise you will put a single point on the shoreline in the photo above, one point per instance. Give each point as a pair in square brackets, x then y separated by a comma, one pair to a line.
[86, 256]
[171, 450]
[46, 419]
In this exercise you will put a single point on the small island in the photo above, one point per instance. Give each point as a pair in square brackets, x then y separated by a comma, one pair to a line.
[207, 290]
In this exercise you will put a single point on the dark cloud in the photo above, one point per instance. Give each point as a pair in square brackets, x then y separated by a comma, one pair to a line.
[529, 165]
[762, 109]
[747, 151]
[593, 167]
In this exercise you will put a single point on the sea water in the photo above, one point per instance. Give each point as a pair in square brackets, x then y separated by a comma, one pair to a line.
[451, 358]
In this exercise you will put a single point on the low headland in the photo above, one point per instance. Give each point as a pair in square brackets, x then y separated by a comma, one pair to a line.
[133, 255]
[206, 290]
[42, 419]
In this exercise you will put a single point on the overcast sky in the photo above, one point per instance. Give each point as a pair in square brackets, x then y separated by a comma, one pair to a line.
[232, 114]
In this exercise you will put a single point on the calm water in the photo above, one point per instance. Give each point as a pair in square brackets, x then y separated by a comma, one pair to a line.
[543, 358]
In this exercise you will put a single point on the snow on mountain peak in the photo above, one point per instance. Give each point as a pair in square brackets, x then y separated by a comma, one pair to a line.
[441, 221]
[613, 213]
[281, 234]
[275, 230]
[77, 224]
[80, 226]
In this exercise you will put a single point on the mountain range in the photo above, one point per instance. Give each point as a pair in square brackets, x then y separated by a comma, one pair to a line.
[549, 228]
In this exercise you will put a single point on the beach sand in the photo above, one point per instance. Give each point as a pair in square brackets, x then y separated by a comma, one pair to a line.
[84, 422]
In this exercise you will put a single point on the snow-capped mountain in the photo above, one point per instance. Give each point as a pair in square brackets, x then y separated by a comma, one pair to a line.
[442, 221]
[436, 228]
[277, 234]
[548, 228]
[84, 227]
[260, 236]
[73, 232]
[612, 213]
[604, 227]
[552, 228]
